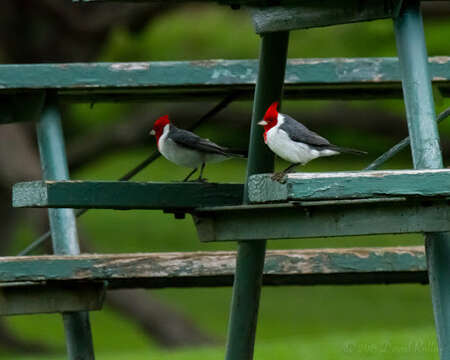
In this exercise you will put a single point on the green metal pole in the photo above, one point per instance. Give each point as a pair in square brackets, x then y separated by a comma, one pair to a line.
[426, 153]
[250, 257]
[63, 225]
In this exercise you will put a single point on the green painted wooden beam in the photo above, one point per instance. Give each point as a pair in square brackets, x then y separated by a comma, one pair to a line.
[209, 269]
[124, 195]
[350, 185]
[21, 298]
[63, 226]
[322, 219]
[243, 317]
[197, 80]
[426, 153]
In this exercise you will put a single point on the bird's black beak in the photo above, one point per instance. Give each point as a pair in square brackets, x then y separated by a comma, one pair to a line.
[262, 123]
[152, 132]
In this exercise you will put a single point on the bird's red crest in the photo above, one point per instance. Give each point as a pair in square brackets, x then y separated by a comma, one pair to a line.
[270, 117]
[158, 126]
[272, 112]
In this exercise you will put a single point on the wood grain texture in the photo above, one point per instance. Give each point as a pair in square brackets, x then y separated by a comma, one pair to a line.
[322, 219]
[124, 195]
[199, 80]
[350, 185]
[154, 270]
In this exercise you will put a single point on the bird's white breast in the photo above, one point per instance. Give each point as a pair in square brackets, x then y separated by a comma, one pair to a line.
[282, 145]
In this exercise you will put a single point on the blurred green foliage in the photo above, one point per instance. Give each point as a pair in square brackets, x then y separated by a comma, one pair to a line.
[374, 322]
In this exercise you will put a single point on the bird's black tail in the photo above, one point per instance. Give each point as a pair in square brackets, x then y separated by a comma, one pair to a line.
[241, 153]
[344, 150]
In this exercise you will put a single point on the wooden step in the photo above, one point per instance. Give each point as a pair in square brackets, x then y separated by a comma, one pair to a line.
[125, 195]
[350, 185]
[205, 269]
[333, 78]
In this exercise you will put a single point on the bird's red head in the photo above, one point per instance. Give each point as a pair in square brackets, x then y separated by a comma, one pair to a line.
[270, 118]
[158, 126]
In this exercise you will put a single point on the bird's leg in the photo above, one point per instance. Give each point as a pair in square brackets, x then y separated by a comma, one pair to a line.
[200, 178]
[280, 175]
[190, 174]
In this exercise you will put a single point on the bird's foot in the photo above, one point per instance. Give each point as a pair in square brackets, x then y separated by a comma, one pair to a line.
[278, 176]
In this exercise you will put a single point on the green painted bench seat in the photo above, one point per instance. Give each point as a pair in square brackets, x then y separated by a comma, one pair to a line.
[125, 195]
[206, 269]
[350, 185]
[199, 80]
[311, 188]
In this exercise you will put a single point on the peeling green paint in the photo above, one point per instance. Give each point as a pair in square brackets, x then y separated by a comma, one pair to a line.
[200, 268]
[153, 81]
[350, 185]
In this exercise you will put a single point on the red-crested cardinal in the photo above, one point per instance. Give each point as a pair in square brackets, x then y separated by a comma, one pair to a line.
[184, 148]
[294, 142]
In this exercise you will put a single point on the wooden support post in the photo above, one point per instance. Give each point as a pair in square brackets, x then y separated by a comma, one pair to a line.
[250, 258]
[426, 153]
[63, 225]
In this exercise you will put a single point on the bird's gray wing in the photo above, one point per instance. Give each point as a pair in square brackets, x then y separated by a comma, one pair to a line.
[192, 141]
[300, 133]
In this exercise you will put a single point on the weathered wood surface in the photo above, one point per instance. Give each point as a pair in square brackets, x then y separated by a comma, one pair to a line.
[26, 298]
[309, 13]
[350, 185]
[197, 80]
[322, 219]
[124, 195]
[154, 270]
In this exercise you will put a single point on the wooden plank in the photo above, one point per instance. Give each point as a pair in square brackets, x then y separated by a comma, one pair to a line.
[350, 185]
[322, 219]
[124, 195]
[199, 80]
[21, 299]
[189, 269]
[311, 13]
[235, 3]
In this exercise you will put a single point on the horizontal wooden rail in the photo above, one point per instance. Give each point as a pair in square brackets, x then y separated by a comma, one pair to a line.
[350, 185]
[125, 195]
[197, 80]
[315, 219]
[282, 267]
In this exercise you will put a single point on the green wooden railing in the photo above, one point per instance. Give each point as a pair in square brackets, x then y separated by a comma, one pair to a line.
[303, 205]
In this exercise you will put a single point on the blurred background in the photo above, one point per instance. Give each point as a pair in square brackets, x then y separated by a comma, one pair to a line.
[105, 140]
